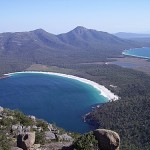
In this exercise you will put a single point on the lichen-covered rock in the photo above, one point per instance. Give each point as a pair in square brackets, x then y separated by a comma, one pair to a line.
[26, 141]
[49, 135]
[107, 139]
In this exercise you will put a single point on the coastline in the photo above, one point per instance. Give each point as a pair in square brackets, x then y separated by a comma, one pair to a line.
[103, 90]
[125, 53]
[131, 55]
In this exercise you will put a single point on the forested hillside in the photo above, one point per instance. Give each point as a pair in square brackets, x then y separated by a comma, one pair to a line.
[21, 49]
[143, 39]
[129, 116]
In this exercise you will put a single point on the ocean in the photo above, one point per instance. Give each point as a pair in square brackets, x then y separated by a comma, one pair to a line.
[138, 52]
[56, 99]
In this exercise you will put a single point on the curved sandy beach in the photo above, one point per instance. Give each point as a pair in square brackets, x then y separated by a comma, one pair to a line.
[103, 90]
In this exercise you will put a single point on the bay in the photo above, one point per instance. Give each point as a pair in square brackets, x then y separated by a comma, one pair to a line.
[56, 99]
[138, 52]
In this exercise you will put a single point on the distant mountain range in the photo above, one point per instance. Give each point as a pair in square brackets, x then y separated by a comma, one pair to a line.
[142, 39]
[21, 49]
[125, 35]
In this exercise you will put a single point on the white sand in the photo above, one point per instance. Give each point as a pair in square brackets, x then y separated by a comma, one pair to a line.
[103, 90]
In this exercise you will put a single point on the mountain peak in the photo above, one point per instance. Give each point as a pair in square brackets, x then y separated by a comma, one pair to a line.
[39, 30]
[80, 29]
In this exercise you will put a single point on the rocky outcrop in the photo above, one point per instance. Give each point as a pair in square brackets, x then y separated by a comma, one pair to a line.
[1, 109]
[49, 135]
[107, 139]
[26, 141]
[16, 148]
[64, 137]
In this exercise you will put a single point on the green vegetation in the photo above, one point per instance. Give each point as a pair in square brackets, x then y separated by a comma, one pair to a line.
[14, 122]
[15, 117]
[22, 119]
[86, 142]
[4, 142]
[43, 124]
[40, 138]
[129, 116]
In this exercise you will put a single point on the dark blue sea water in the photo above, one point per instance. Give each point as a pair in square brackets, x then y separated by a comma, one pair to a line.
[138, 52]
[56, 99]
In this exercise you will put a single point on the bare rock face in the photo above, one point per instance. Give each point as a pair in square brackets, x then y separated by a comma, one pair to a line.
[107, 139]
[26, 141]
[1, 109]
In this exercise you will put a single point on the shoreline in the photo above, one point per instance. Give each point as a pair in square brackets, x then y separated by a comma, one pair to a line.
[103, 90]
[135, 56]
[132, 55]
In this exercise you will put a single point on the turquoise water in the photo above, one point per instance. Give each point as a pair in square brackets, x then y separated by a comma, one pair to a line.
[138, 52]
[56, 99]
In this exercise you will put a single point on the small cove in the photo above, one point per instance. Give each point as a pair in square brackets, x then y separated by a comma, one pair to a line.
[56, 99]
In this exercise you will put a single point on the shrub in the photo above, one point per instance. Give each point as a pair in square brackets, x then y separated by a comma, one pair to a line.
[4, 142]
[86, 142]
[24, 120]
[43, 124]
[40, 138]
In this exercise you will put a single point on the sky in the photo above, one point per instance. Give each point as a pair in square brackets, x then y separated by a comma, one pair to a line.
[60, 16]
